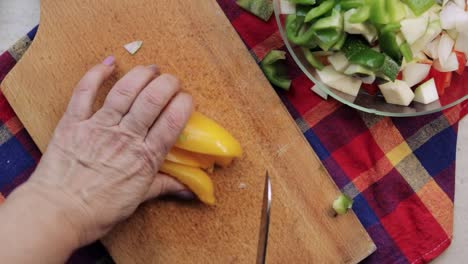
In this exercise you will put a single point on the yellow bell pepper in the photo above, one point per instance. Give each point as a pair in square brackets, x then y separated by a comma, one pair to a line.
[222, 161]
[203, 135]
[192, 159]
[194, 178]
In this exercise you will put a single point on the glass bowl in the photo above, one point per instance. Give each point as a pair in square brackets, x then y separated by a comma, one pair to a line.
[375, 104]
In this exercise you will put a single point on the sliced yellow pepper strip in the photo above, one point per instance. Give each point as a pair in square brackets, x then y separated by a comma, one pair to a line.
[203, 135]
[192, 159]
[222, 161]
[194, 178]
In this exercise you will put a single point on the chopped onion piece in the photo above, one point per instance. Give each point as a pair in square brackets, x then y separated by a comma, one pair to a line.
[368, 79]
[449, 14]
[319, 92]
[287, 7]
[450, 65]
[426, 93]
[432, 49]
[133, 47]
[414, 73]
[414, 28]
[461, 23]
[462, 43]
[445, 49]
[460, 3]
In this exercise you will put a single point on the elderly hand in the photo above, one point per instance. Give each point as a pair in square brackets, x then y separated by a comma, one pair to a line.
[99, 166]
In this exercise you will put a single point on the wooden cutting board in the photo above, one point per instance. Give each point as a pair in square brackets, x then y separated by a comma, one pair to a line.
[195, 41]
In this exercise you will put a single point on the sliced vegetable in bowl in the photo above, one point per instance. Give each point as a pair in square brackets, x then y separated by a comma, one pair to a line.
[372, 42]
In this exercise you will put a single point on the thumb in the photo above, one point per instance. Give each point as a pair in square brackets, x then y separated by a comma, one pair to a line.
[167, 185]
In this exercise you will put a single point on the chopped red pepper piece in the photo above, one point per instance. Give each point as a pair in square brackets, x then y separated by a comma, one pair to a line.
[371, 89]
[461, 62]
[400, 76]
[441, 79]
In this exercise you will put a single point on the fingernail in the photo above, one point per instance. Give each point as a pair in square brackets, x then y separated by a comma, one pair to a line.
[109, 61]
[185, 195]
[153, 67]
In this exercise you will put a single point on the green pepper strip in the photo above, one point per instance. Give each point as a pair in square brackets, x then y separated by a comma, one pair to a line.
[390, 68]
[353, 45]
[320, 10]
[271, 69]
[334, 21]
[391, 27]
[361, 15]
[302, 10]
[349, 4]
[303, 2]
[405, 49]
[339, 44]
[419, 6]
[293, 25]
[310, 57]
[261, 8]
[388, 44]
[396, 10]
[369, 58]
[379, 13]
[327, 38]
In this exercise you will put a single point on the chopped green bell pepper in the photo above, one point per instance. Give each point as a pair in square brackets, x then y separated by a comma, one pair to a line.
[342, 204]
[368, 58]
[339, 44]
[302, 10]
[293, 27]
[378, 13]
[334, 21]
[327, 38]
[419, 6]
[396, 10]
[353, 45]
[405, 49]
[260, 8]
[310, 57]
[349, 4]
[274, 71]
[361, 15]
[390, 68]
[320, 10]
[391, 27]
[389, 45]
[303, 2]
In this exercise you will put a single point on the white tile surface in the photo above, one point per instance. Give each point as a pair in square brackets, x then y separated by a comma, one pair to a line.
[17, 17]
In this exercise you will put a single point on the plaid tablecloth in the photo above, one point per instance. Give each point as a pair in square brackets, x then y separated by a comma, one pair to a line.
[400, 171]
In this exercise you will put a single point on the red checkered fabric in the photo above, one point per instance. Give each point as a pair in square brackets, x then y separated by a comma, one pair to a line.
[400, 171]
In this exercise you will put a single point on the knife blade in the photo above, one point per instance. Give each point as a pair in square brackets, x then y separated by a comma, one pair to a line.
[264, 222]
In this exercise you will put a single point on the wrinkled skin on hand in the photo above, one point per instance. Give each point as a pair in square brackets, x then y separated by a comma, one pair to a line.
[100, 166]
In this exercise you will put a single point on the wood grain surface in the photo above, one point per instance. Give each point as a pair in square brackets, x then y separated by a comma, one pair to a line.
[195, 41]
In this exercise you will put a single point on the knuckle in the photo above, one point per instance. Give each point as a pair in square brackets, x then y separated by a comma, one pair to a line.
[107, 114]
[154, 100]
[169, 80]
[142, 70]
[85, 84]
[137, 125]
[158, 151]
[174, 120]
[139, 68]
[124, 91]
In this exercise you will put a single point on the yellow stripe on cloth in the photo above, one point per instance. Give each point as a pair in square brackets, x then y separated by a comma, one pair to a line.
[397, 154]
[439, 204]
